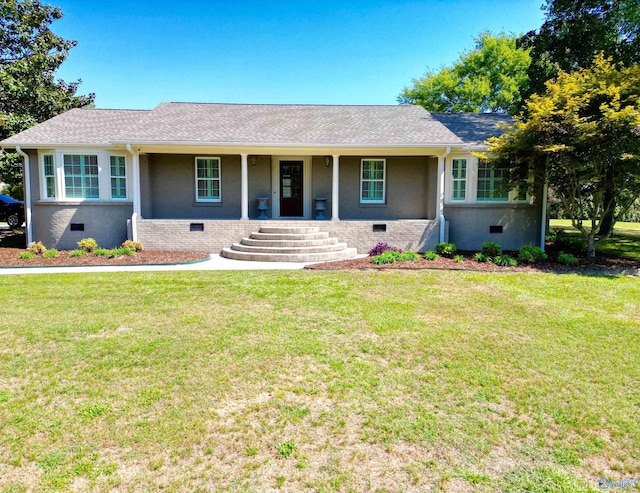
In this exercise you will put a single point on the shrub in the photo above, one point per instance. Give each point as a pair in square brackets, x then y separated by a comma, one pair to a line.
[116, 252]
[408, 256]
[101, 252]
[53, 253]
[458, 258]
[87, 244]
[382, 247]
[431, 255]
[26, 255]
[491, 249]
[136, 246]
[37, 248]
[530, 254]
[386, 257]
[504, 261]
[567, 259]
[481, 257]
[77, 253]
[446, 249]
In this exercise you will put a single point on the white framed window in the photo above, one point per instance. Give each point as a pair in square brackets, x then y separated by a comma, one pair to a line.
[208, 184]
[49, 174]
[118, 174]
[81, 176]
[458, 179]
[372, 181]
[492, 183]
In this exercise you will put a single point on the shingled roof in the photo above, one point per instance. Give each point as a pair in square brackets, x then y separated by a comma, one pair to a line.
[475, 128]
[203, 123]
[266, 124]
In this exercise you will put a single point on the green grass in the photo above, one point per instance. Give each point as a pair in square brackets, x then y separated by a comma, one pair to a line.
[318, 381]
[624, 242]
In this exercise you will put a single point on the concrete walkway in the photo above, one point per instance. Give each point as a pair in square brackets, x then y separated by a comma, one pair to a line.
[216, 262]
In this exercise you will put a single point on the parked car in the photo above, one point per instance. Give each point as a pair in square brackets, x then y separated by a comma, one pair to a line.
[11, 211]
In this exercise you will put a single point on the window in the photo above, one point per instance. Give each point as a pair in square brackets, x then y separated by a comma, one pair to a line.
[372, 181]
[208, 179]
[49, 176]
[81, 176]
[492, 183]
[118, 177]
[459, 179]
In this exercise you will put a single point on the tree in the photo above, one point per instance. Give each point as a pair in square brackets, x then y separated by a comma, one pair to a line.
[573, 33]
[30, 54]
[580, 136]
[488, 78]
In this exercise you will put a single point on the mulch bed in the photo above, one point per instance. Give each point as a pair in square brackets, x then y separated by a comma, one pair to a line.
[9, 257]
[600, 263]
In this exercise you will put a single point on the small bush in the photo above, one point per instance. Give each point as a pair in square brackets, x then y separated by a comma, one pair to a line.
[101, 252]
[567, 259]
[116, 252]
[37, 248]
[77, 253]
[382, 247]
[431, 255]
[481, 257]
[26, 255]
[446, 249]
[53, 253]
[386, 257]
[491, 249]
[136, 246]
[408, 256]
[87, 244]
[530, 254]
[505, 261]
[458, 258]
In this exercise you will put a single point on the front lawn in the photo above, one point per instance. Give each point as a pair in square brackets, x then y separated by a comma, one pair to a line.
[388, 381]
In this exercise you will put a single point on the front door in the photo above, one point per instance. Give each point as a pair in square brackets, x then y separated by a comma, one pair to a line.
[291, 189]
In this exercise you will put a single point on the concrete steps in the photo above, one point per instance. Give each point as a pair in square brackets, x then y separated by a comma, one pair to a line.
[289, 244]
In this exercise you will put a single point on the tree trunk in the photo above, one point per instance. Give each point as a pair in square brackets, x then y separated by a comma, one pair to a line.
[606, 226]
[591, 246]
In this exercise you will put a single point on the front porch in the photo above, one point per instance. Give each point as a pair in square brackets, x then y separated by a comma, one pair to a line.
[212, 235]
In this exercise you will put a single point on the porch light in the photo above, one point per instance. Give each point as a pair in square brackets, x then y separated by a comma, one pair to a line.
[253, 160]
[327, 161]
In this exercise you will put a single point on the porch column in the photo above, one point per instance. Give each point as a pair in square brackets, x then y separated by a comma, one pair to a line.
[136, 185]
[440, 205]
[244, 188]
[335, 189]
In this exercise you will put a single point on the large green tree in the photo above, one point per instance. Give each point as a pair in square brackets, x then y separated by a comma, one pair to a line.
[487, 78]
[573, 33]
[581, 136]
[30, 55]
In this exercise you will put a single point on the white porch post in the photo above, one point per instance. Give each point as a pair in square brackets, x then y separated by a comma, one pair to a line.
[137, 201]
[244, 187]
[440, 205]
[335, 189]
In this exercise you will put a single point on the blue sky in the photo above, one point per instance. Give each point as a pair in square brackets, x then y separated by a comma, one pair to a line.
[137, 54]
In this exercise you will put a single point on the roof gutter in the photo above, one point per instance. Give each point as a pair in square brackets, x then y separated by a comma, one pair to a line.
[27, 193]
[441, 167]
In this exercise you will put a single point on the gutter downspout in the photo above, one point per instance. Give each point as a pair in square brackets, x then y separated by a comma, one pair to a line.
[441, 168]
[136, 192]
[27, 193]
[543, 220]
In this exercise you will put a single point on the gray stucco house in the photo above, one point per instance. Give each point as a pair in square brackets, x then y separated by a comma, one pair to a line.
[198, 176]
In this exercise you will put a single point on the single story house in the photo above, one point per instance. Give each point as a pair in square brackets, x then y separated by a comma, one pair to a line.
[204, 176]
